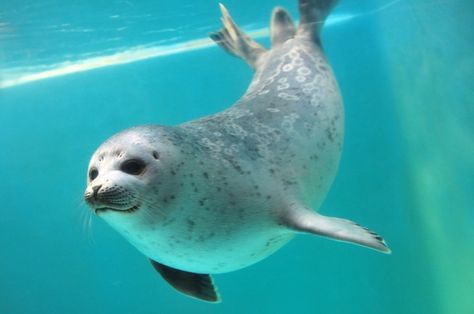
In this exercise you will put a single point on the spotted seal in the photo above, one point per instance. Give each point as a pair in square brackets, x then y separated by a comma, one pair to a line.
[222, 192]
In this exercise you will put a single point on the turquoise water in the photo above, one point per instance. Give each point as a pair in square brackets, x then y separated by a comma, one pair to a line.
[407, 171]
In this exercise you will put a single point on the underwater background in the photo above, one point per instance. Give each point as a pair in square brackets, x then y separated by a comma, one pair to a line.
[72, 73]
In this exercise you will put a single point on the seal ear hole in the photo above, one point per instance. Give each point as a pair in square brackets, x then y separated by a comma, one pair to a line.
[93, 173]
[133, 166]
[156, 155]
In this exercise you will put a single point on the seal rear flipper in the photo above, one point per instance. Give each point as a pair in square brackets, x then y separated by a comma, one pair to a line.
[200, 286]
[282, 27]
[313, 14]
[236, 42]
[339, 229]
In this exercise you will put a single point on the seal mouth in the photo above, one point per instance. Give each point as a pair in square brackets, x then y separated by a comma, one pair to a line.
[105, 209]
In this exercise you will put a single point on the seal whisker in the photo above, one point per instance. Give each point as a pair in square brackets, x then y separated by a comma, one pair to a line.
[86, 217]
[90, 231]
[146, 204]
[149, 215]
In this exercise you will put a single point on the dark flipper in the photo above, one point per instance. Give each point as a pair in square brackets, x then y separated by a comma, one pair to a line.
[199, 286]
[282, 27]
[313, 14]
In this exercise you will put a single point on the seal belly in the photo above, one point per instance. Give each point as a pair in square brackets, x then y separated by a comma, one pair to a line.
[206, 246]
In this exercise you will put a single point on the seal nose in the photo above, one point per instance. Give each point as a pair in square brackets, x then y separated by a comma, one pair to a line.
[95, 190]
[92, 196]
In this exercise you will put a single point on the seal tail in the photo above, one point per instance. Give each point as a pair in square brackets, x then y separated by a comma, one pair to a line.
[236, 42]
[282, 27]
[313, 14]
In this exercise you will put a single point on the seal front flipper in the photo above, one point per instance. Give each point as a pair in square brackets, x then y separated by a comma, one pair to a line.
[304, 220]
[236, 42]
[200, 286]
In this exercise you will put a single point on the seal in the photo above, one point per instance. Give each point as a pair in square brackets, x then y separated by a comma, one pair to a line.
[223, 192]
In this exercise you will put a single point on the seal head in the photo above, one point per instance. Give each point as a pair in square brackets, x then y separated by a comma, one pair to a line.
[123, 168]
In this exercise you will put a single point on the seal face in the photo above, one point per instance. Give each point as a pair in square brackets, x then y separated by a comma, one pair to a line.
[121, 174]
[222, 192]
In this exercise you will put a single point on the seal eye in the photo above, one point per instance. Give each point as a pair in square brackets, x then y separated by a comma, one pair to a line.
[93, 173]
[133, 166]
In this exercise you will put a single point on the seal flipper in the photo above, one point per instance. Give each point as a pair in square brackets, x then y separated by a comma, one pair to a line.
[313, 14]
[308, 221]
[282, 27]
[200, 286]
[236, 42]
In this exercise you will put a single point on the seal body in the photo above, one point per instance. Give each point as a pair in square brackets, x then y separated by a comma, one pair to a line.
[222, 192]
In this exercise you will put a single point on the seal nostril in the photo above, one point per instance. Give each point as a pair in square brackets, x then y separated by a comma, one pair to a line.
[95, 190]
